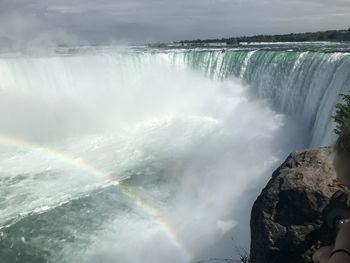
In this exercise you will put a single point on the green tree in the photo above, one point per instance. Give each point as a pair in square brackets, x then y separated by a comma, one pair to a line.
[342, 113]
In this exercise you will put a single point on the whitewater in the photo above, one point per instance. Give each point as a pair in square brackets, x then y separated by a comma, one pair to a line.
[152, 155]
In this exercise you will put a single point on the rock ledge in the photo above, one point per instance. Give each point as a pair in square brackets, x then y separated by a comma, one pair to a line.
[287, 219]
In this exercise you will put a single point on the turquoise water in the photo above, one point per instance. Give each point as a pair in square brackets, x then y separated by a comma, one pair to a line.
[305, 84]
[110, 155]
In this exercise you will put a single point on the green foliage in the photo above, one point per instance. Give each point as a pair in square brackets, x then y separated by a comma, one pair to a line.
[342, 113]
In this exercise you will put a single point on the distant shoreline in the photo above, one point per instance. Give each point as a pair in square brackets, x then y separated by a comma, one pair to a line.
[329, 35]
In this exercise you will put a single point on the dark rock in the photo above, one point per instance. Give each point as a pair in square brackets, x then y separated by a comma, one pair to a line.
[287, 220]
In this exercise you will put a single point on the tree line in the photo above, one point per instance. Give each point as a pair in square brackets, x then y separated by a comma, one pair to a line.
[330, 35]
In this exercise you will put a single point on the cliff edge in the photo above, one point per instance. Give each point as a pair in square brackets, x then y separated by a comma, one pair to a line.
[287, 221]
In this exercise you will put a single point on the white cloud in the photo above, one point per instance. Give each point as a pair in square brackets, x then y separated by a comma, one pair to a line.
[164, 20]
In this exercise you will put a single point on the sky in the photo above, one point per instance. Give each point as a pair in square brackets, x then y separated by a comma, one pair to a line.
[35, 22]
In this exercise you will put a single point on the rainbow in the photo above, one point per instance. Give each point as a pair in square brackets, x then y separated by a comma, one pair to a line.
[154, 214]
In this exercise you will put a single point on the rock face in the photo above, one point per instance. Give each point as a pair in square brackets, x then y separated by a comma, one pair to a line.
[287, 221]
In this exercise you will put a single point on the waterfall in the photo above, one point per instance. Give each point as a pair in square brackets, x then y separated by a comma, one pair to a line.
[143, 156]
[305, 84]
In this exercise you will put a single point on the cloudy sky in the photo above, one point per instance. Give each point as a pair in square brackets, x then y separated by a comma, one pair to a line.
[140, 21]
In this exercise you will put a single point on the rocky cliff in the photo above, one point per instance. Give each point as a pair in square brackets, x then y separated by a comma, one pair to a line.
[287, 221]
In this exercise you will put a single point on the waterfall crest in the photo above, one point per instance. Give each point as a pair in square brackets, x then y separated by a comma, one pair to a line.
[303, 84]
